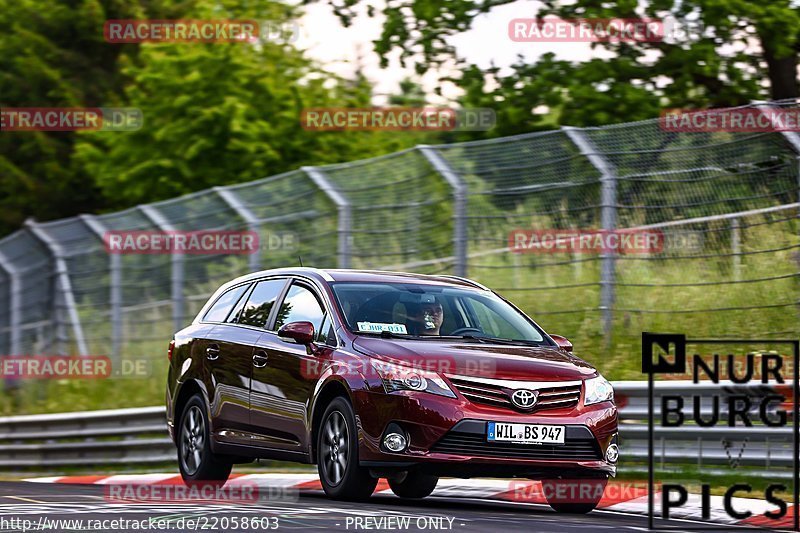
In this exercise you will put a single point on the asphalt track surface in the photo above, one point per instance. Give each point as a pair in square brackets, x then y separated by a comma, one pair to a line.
[36, 502]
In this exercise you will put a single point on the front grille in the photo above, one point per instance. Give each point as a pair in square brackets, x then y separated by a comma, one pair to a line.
[475, 444]
[556, 397]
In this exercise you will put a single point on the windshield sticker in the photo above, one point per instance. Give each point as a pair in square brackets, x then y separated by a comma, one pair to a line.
[380, 326]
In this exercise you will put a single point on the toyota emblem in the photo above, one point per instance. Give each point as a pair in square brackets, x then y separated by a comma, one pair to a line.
[524, 398]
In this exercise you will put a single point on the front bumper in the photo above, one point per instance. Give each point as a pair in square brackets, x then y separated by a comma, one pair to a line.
[448, 436]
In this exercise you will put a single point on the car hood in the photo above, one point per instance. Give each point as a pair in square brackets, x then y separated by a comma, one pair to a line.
[476, 359]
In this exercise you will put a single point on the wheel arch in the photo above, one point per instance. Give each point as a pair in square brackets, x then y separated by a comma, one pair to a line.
[188, 389]
[334, 388]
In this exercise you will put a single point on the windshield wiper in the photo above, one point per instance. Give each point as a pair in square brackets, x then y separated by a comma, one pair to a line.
[497, 340]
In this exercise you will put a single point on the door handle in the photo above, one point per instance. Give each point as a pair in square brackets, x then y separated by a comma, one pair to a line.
[212, 352]
[260, 359]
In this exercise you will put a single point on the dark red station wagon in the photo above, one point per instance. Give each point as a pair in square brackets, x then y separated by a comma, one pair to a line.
[390, 375]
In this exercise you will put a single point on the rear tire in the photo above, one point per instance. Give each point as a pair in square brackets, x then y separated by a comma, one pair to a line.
[574, 496]
[197, 463]
[414, 485]
[337, 455]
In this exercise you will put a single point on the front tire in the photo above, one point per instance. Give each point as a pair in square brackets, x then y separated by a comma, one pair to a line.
[414, 485]
[574, 496]
[197, 463]
[337, 455]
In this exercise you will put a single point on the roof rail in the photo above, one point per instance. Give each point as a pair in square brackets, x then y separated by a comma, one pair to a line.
[288, 270]
[466, 280]
[319, 271]
[281, 271]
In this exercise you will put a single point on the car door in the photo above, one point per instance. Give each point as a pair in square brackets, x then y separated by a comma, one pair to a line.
[206, 349]
[231, 357]
[281, 390]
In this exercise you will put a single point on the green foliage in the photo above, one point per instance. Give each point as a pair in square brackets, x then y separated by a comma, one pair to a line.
[729, 48]
[53, 55]
[213, 113]
[44, 48]
[569, 91]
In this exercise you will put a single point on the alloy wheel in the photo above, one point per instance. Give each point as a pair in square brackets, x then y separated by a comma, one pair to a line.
[335, 447]
[193, 436]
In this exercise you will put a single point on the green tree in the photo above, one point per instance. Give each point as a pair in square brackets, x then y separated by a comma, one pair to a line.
[410, 94]
[731, 48]
[213, 113]
[53, 54]
[223, 113]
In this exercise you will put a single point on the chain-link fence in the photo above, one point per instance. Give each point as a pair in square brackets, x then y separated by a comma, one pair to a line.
[726, 205]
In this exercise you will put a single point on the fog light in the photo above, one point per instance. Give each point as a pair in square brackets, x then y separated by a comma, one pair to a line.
[395, 442]
[612, 453]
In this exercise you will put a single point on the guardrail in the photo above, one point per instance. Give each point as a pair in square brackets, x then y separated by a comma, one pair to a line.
[139, 435]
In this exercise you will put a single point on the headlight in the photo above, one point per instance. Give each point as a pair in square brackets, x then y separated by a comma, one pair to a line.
[598, 390]
[398, 377]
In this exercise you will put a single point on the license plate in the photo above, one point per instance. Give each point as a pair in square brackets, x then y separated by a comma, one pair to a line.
[524, 433]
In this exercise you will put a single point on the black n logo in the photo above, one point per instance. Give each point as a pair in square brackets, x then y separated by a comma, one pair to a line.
[669, 351]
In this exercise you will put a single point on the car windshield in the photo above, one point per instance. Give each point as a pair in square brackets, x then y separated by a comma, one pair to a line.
[422, 310]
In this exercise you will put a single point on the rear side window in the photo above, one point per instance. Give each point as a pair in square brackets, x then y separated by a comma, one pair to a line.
[219, 311]
[258, 307]
[233, 318]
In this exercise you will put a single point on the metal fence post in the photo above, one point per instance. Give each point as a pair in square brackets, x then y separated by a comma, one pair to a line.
[176, 261]
[63, 283]
[608, 220]
[115, 288]
[15, 304]
[792, 137]
[14, 314]
[253, 223]
[344, 224]
[460, 197]
[736, 248]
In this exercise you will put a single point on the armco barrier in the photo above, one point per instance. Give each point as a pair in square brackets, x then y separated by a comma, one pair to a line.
[139, 436]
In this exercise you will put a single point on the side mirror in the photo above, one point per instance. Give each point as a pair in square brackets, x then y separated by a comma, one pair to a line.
[562, 342]
[299, 332]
